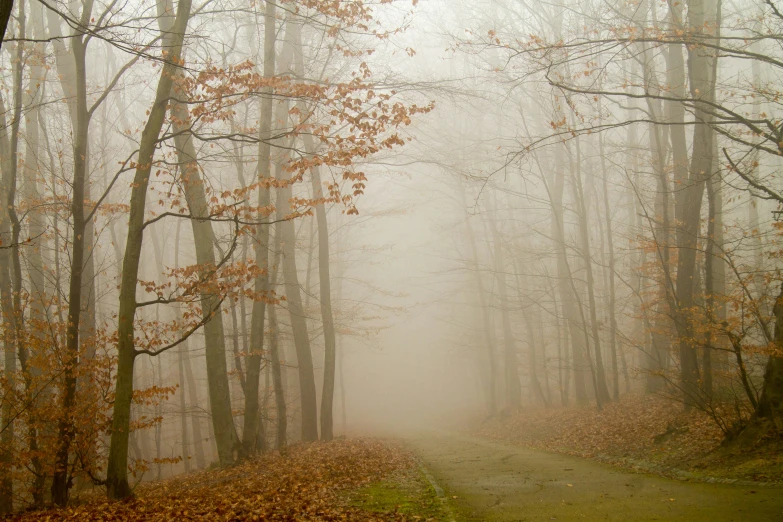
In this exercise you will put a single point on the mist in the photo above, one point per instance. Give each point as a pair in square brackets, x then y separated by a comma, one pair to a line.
[450, 248]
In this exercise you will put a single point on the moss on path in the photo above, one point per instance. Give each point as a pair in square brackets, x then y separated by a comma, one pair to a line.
[497, 482]
[407, 493]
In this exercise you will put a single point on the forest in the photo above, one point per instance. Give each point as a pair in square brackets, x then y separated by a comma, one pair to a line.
[294, 255]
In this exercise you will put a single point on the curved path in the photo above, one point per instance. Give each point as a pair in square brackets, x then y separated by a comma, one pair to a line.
[499, 482]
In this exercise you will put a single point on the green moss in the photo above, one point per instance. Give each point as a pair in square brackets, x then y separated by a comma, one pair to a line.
[408, 493]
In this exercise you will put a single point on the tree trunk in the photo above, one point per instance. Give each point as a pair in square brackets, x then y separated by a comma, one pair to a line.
[562, 358]
[6, 8]
[67, 428]
[274, 354]
[183, 411]
[713, 353]
[513, 391]
[296, 313]
[261, 243]
[602, 392]
[195, 422]
[613, 348]
[324, 279]
[36, 229]
[567, 296]
[330, 347]
[488, 327]
[688, 203]
[771, 400]
[226, 439]
[536, 391]
[10, 278]
[117, 466]
[290, 275]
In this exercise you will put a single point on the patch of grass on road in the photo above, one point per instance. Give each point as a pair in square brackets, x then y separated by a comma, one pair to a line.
[407, 493]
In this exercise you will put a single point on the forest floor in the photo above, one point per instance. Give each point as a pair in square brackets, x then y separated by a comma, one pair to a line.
[346, 480]
[537, 465]
[491, 481]
[646, 433]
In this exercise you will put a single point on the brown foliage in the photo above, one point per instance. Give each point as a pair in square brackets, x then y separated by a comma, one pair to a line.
[649, 427]
[304, 482]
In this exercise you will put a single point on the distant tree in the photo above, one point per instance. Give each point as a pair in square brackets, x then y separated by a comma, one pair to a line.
[6, 8]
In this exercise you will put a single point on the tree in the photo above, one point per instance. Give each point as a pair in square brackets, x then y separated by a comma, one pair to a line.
[261, 245]
[511, 371]
[6, 8]
[117, 470]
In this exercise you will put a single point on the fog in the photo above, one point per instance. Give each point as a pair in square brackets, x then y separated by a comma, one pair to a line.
[417, 373]
[235, 226]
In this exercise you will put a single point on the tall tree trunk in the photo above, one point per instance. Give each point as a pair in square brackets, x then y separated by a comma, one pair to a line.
[36, 229]
[195, 422]
[611, 275]
[338, 295]
[513, 391]
[188, 385]
[567, 295]
[602, 391]
[330, 347]
[544, 359]
[324, 279]
[562, 354]
[278, 381]
[226, 439]
[72, 70]
[80, 122]
[715, 267]
[183, 410]
[488, 327]
[536, 391]
[117, 466]
[6, 8]
[261, 239]
[757, 251]
[296, 313]
[274, 354]
[10, 275]
[771, 400]
[689, 202]
[656, 356]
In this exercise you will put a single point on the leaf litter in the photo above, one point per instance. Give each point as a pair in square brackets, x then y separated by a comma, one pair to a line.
[302, 482]
[642, 432]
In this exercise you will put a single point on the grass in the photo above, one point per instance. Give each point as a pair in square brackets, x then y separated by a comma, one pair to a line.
[407, 493]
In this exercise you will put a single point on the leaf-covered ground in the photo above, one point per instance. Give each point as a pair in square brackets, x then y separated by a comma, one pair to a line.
[305, 482]
[635, 430]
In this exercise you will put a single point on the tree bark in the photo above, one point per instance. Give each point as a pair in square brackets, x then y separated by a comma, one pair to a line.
[564, 276]
[261, 243]
[613, 348]
[536, 391]
[6, 7]
[117, 467]
[10, 277]
[488, 329]
[291, 277]
[195, 422]
[513, 390]
[274, 354]
[66, 429]
[324, 278]
[226, 439]
[771, 400]
[602, 392]
[688, 203]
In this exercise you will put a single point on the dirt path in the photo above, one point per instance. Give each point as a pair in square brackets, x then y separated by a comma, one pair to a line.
[498, 482]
